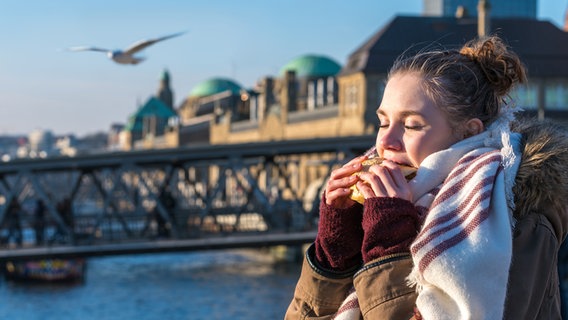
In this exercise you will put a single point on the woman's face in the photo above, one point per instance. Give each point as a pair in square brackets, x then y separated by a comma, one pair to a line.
[411, 126]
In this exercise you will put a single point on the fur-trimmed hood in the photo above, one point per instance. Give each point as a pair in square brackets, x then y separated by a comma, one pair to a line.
[541, 185]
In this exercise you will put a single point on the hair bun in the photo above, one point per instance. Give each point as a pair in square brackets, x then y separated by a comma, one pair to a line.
[501, 67]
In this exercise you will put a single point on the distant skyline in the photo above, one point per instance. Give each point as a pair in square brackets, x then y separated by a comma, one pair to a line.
[44, 86]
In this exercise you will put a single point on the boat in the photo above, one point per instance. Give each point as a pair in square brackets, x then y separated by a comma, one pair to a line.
[46, 270]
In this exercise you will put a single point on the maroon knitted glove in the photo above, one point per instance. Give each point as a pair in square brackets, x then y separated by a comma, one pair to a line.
[390, 225]
[338, 243]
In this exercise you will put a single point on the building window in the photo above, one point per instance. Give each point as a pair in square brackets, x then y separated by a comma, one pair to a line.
[320, 102]
[352, 97]
[331, 91]
[312, 91]
[526, 96]
[556, 95]
[254, 114]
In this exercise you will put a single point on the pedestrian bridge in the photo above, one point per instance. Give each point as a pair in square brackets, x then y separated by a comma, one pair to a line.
[191, 198]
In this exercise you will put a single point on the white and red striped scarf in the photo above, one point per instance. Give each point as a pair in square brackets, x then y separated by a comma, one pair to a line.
[462, 253]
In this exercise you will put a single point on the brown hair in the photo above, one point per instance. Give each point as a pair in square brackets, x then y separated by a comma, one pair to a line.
[472, 82]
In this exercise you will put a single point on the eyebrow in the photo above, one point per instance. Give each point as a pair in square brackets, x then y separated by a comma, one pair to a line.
[403, 114]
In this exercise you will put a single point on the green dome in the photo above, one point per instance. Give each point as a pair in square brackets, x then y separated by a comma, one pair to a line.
[152, 108]
[312, 66]
[214, 86]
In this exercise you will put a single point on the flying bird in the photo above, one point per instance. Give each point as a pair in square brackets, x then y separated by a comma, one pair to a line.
[127, 56]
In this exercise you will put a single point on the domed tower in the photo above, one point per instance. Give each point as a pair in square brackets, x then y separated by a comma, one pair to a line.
[165, 93]
[214, 86]
[212, 96]
[315, 76]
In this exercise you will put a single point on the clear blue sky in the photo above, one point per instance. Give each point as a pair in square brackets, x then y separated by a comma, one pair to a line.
[43, 86]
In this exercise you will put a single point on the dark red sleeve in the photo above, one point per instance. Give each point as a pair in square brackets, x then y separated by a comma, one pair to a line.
[339, 238]
[389, 225]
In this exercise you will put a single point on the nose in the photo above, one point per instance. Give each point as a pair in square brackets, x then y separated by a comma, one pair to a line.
[389, 139]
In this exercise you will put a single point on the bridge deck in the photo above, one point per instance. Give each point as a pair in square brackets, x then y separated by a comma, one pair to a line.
[160, 246]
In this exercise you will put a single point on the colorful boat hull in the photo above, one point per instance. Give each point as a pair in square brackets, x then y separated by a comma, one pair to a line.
[48, 270]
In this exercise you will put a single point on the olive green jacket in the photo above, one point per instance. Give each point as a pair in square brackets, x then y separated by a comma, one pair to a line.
[541, 224]
[383, 292]
[381, 289]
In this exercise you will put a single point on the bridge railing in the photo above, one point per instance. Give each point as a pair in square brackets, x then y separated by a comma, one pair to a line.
[183, 193]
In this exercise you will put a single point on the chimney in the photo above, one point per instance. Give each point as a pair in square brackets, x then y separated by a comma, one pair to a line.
[483, 26]
[288, 91]
[461, 12]
[266, 98]
[566, 21]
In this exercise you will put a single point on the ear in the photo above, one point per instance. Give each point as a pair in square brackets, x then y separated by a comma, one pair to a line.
[472, 127]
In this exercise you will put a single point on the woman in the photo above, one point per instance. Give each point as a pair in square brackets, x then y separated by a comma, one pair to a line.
[475, 234]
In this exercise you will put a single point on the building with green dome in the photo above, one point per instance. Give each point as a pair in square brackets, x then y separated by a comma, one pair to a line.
[311, 66]
[305, 86]
[316, 85]
[305, 89]
[214, 86]
[220, 96]
[148, 123]
[216, 99]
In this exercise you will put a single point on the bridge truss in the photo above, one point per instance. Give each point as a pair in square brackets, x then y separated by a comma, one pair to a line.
[183, 193]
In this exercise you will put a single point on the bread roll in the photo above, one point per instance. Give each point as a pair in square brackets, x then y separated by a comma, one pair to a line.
[408, 172]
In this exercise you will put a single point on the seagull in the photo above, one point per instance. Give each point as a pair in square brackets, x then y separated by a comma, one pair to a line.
[127, 56]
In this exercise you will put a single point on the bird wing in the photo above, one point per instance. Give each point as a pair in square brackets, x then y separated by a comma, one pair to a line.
[88, 49]
[140, 45]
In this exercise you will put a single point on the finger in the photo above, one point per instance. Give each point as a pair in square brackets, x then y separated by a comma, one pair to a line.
[347, 170]
[371, 186]
[393, 180]
[344, 182]
[382, 182]
[368, 191]
[394, 173]
[341, 195]
[378, 178]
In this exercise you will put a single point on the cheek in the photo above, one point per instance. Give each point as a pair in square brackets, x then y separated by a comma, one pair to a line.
[422, 148]
[415, 150]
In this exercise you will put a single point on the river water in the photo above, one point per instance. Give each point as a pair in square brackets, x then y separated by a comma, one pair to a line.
[239, 284]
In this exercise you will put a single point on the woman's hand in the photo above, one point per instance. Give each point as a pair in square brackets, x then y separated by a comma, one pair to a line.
[337, 189]
[340, 233]
[384, 180]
